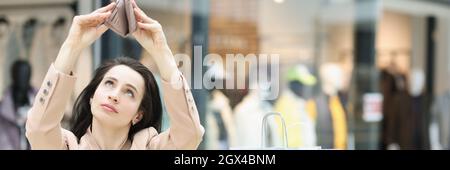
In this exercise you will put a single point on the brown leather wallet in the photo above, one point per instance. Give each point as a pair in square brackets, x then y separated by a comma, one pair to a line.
[122, 19]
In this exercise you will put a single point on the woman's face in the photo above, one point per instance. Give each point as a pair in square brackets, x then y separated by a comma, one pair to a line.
[117, 98]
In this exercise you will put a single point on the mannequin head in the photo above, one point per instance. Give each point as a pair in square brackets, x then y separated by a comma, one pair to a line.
[20, 75]
[301, 81]
[332, 77]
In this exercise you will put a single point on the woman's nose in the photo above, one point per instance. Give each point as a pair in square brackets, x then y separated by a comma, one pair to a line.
[113, 98]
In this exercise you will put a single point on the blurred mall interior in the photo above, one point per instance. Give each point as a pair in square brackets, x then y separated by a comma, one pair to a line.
[353, 74]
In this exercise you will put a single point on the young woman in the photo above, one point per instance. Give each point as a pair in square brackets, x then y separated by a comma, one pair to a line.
[120, 108]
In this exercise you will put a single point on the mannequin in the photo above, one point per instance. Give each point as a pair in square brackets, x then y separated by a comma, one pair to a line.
[332, 77]
[221, 133]
[395, 109]
[404, 124]
[439, 128]
[331, 119]
[248, 117]
[293, 106]
[29, 30]
[14, 107]
[418, 110]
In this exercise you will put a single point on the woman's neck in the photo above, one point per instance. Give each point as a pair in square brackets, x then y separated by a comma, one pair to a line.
[108, 137]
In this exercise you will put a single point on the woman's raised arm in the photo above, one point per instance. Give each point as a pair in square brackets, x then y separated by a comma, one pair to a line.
[185, 130]
[43, 127]
[84, 31]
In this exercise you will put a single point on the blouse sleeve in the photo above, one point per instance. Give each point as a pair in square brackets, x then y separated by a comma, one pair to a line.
[43, 126]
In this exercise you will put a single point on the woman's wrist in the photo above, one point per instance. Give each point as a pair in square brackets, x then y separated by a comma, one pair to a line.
[67, 56]
[162, 56]
[72, 45]
[165, 61]
[167, 70]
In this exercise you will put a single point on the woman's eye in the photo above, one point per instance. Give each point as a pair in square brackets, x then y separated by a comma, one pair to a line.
[130, 93]
[108, 83]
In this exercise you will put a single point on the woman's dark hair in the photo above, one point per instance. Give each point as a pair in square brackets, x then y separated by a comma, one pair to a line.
[150, 104]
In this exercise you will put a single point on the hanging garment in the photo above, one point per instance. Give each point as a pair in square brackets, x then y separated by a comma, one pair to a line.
[389, 89]
[404, 123]
[339, 123]
[10, 51]
[28, 34]
[420, 129]
[212, 138]
[331, 123]
[311, 109]
[5, 32]
[12, 124]
[440, 118]
[248, 117]
[300, 126]
[324, 123]
[221, 133]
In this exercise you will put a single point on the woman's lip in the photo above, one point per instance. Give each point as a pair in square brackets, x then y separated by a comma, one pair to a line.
[109, 108]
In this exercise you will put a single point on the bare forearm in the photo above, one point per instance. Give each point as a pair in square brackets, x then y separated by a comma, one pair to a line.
[166, 63]
[67, 57]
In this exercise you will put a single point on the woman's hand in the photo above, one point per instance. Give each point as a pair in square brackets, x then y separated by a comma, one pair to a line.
[149, 33]
[87, 28]
[84, 31]
[151, 36]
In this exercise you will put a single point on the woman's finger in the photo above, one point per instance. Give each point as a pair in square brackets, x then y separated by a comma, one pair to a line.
[141, 16]
[83, 19]
[137, 15]
[109, 7]
[133, 3]
[101, 29]
[101, 17]
[93, 19]
[155, 27]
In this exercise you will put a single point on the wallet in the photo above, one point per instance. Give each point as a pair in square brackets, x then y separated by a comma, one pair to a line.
[122, 19]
